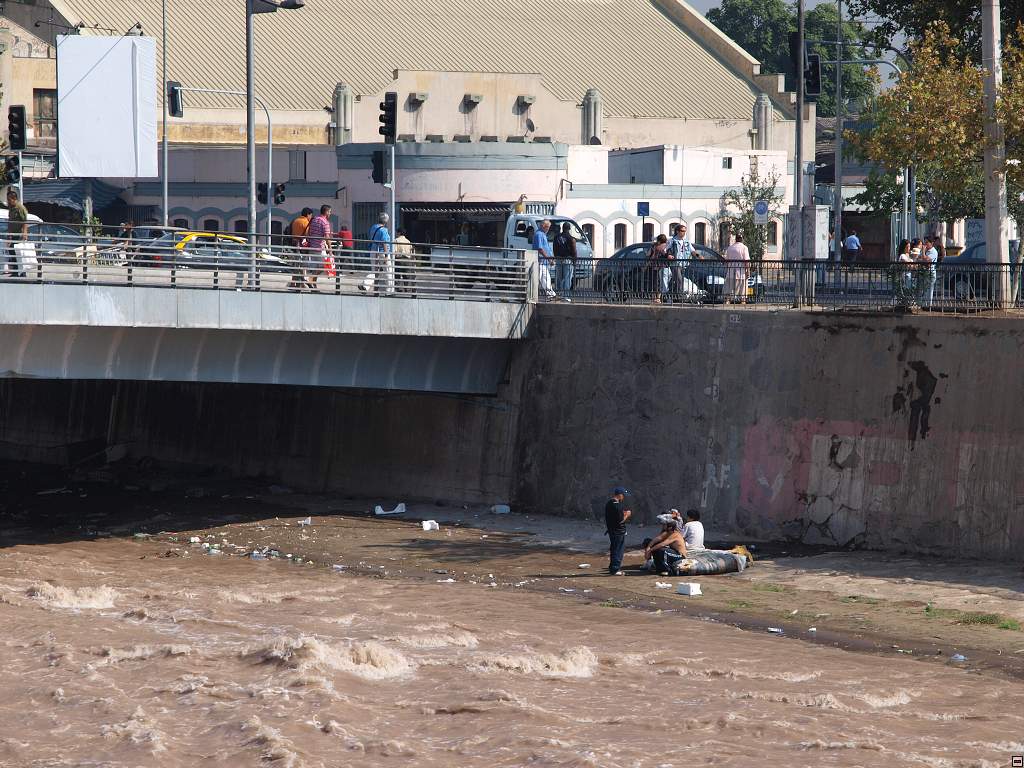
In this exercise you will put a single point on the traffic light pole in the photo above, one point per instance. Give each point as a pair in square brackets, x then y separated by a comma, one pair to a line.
[391, 189]
[840, 116]
[21, 180]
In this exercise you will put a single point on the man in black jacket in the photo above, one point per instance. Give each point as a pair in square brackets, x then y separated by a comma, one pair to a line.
[615, 516]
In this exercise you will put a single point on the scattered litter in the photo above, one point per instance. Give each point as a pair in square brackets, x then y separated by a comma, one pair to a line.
[142, 536]
[958, 657]
[446, 581]
[565, 589]
[492, 584]
[257, 555]
[583, 565]
[399, 510]
[688, 588]
[813, 629]
[280, 490]
[587, 591]
[484, 536]
[52, 491]
[904, 650]
[662, 585]
[339, 567]
[821, 615]
[214, 552]
[500, 509]
[794, 612]
[775, 630]
[431, 525]
[441, 570]
[307, 521]
[194, 540]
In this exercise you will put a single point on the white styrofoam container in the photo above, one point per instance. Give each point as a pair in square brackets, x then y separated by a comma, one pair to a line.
[688, 588]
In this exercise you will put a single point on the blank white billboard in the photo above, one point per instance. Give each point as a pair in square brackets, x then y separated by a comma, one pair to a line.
[106, 107]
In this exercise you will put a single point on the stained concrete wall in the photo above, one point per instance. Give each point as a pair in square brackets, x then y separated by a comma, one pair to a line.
[391, 445]
[872, 430]
[869, 430]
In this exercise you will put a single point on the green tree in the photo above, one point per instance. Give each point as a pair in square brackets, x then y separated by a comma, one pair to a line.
[894, 20]
[933, 119]
[738, 207]
[762, 28]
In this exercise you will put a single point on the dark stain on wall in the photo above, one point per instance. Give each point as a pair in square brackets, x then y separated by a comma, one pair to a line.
[921, 406]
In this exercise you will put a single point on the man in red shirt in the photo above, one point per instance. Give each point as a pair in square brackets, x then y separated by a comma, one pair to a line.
[320, 253]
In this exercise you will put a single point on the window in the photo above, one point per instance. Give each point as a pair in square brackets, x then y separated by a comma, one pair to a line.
[724, 241]
[727, 162]
[180, 223]
[773, 234]
[44, 114]
[700, 233]
[620, 236]
[672, 228]
[588, 230]
[275, 227]
[241, 225]
[211, 225]
[648, 231]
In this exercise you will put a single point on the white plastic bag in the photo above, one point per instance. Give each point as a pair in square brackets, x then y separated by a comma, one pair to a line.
[431, 525]
[25, 255]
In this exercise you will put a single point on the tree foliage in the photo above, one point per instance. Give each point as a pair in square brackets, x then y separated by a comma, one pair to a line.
[894, 20]
[762, 28]
[738, 207]
[933, 119]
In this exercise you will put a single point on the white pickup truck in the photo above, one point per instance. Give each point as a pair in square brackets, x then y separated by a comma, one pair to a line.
[504, 253]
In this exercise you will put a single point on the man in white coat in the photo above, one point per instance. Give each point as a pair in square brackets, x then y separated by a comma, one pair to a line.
[738, 258]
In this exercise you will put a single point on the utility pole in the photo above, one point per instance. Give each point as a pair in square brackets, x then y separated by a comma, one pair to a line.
[799, 154]
[840, 115]
[996, 226]
[250, 124]
[164, 152]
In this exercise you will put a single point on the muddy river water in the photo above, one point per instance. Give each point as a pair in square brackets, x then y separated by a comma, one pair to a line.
[112, 659]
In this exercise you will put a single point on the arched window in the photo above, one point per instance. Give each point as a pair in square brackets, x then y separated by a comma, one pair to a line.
[648, 231]
[588, 230]
[180, 223]
[211, 225]
[241, 225]
[672, 228]
[724, 241]
[700, 233]
[620, 236]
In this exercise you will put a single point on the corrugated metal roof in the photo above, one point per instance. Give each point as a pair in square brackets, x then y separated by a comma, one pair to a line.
[644, 63]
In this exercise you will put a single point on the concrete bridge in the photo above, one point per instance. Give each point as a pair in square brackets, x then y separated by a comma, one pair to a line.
[445, 323]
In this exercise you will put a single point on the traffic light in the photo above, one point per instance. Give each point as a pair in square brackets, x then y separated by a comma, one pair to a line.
[389, 117]
[812, 75]
[175, 104]
[16, 127]
[261, 193]
[12, 170]
[378, 167]
[279, 193]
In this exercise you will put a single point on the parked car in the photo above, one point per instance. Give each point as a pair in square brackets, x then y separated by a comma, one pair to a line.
[967, 277]
[205, 250]
[60, 243]
[625, 273]
[708, 270]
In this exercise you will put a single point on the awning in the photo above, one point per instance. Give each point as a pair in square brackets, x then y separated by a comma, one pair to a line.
[70, 193]
[457, 209]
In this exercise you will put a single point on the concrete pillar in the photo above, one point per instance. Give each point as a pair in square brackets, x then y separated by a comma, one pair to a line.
[763, 122]
[344, 113]
[592, 117]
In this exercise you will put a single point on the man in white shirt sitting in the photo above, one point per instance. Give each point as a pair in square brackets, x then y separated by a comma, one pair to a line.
[693, 531]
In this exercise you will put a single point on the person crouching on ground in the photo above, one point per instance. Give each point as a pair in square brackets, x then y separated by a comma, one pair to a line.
[668, 548]
[615, 517]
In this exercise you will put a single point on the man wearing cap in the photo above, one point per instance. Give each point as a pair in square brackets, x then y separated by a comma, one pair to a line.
[615, 517]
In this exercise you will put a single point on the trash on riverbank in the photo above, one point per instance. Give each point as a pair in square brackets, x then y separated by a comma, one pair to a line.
[398, 510]
[775, 630]
[431, 525]
[688, 588]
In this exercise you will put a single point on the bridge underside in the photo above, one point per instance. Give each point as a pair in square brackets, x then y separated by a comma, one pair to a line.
[413, 363]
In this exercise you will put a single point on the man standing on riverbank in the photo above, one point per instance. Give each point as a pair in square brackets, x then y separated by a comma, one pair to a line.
[615, 517]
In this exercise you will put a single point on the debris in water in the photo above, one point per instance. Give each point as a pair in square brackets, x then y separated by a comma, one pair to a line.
[500, 509]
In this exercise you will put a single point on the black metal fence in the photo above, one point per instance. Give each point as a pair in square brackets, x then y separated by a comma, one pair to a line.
[952, 287]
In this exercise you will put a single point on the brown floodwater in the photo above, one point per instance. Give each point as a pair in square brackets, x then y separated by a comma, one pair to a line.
[112, 659]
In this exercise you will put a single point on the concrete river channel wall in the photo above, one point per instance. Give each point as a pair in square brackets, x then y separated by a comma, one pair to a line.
[881, 431]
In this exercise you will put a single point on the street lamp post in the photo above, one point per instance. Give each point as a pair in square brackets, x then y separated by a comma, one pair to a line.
[253, 7]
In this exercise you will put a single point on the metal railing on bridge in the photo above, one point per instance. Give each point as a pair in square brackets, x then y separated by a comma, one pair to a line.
[948, 286]
[176, 258]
